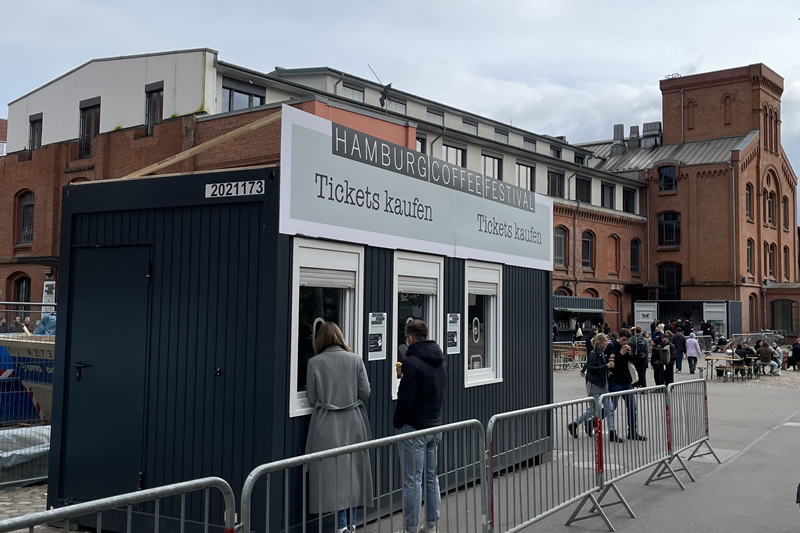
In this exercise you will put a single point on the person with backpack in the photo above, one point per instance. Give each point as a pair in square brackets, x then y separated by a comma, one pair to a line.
[663, 360]
[640, 350]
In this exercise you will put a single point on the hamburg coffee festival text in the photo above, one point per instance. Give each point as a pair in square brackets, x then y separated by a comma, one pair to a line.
[357, 146]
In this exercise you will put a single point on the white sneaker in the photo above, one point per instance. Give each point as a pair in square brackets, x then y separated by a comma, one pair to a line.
[777, 372]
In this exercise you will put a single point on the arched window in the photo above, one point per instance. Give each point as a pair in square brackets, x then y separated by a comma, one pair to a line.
[771, 260]
[771, 209]
[786, 262]
[669, 229]
[750, 245]
[669, 275]
[785, 212]
[785, 315]
[22, 289]
[777, 129]
[764, 204]
[748, 201]
[765, 267]
[560, 246]
[770, 144]
[587, 250]
[613, 254]
[667, 179]
[635, 247]
[561, 292]
[690, 115]
[751, 308]
[726, 104]
[25, 218]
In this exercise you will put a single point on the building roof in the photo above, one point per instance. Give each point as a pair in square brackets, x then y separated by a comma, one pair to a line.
[688, 153]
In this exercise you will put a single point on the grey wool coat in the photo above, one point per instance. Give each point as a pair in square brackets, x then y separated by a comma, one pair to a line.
[337, 385]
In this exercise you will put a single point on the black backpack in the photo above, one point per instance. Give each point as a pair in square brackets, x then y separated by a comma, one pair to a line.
[639, 347]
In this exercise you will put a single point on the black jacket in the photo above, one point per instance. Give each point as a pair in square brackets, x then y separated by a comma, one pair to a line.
[620, 373]
[679, 341]
[597, 368]
[421, 391]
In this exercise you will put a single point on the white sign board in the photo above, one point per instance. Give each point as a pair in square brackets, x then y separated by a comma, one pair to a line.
[342, 184]
[453, 333]
[376, 345]
[49, 297]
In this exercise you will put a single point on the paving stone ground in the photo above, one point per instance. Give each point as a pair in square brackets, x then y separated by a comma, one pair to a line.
[18, 502]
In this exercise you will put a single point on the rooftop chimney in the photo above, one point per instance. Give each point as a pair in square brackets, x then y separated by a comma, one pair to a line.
[618, 146]
[633, 140]
[651, 135]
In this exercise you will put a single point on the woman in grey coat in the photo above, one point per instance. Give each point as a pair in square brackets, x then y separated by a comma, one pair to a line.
[337, 386]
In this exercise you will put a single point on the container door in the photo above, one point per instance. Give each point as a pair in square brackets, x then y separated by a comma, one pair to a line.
[717, 313]
[644, 313]
[106, 360]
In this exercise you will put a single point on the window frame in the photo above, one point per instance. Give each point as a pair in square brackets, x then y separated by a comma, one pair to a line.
[397, 105]
[467, 126]
[748, 201]
[528, 144]
[591, 240]
[786, 262]
[676, 229]
[771, 253]
[22, 284]
[447, 145]
[496, 162]
[785, 212]
[422, 266]
[604, 187]
[750, 245]
[35, 128]
[663, 186]
[779, 307]
[89, 127]
[481, 272]
[580, 159]
[501, 136]
[25, 237]
[636, 265]
[587, 182]
[153, 106]
[565, 252]
[559, 177]
[326, 255]
[629, 194]
[771, 208]
[555, 152]
[530, 175]
[432, 112]
[354, 89]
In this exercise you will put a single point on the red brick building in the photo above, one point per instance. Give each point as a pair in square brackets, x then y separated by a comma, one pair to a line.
[721, 193]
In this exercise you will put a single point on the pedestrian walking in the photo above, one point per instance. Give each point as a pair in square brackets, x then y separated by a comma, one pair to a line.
[597, 367]
[679, 341]
[337, 386]
[692, 352]
[620, 380]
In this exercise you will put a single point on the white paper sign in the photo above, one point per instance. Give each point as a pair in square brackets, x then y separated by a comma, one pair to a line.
[453, 333]
[376, 344]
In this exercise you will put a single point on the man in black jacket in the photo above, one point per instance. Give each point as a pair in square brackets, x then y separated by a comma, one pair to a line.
[619, 379]
[419, 406]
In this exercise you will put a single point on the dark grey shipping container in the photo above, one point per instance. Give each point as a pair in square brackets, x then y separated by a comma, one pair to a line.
[172, 356]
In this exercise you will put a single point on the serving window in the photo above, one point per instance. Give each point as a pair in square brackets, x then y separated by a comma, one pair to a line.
[483, 324]
[418, 294]
[327, 287]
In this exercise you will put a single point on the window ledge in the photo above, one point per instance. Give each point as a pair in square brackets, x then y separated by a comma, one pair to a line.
[667, 193]
[477, 382]
[668, 248]
[751, 220]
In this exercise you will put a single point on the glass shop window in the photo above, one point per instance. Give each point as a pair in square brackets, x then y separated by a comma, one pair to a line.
[483, 324]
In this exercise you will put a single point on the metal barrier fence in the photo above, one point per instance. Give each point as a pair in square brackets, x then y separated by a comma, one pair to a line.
[459, 468]
[687, 417]
[125, 502]
[545, 459]
[26, 390]
[568, 355]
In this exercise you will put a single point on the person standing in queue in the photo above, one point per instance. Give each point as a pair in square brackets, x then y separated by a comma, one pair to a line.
[620, 380]
[337, 386]
[641, 352]
[419, 406]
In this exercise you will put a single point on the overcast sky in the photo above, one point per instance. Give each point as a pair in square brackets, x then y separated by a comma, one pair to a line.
[558, 67]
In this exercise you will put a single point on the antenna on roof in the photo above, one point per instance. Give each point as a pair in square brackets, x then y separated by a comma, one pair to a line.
[384, 92]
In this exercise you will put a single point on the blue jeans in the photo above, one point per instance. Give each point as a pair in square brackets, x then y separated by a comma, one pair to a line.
[679, 362]
[419, 455]
[341, 517]
[630, 406]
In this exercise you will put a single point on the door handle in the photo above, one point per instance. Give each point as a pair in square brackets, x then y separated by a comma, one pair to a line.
[78, 368]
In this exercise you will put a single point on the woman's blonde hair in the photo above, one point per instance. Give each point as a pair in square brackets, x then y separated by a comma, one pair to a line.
[329, 335]
[599, 339]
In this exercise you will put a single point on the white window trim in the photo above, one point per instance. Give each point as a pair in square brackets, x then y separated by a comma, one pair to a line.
[488, 273]
[298, 403]
[421, 265]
